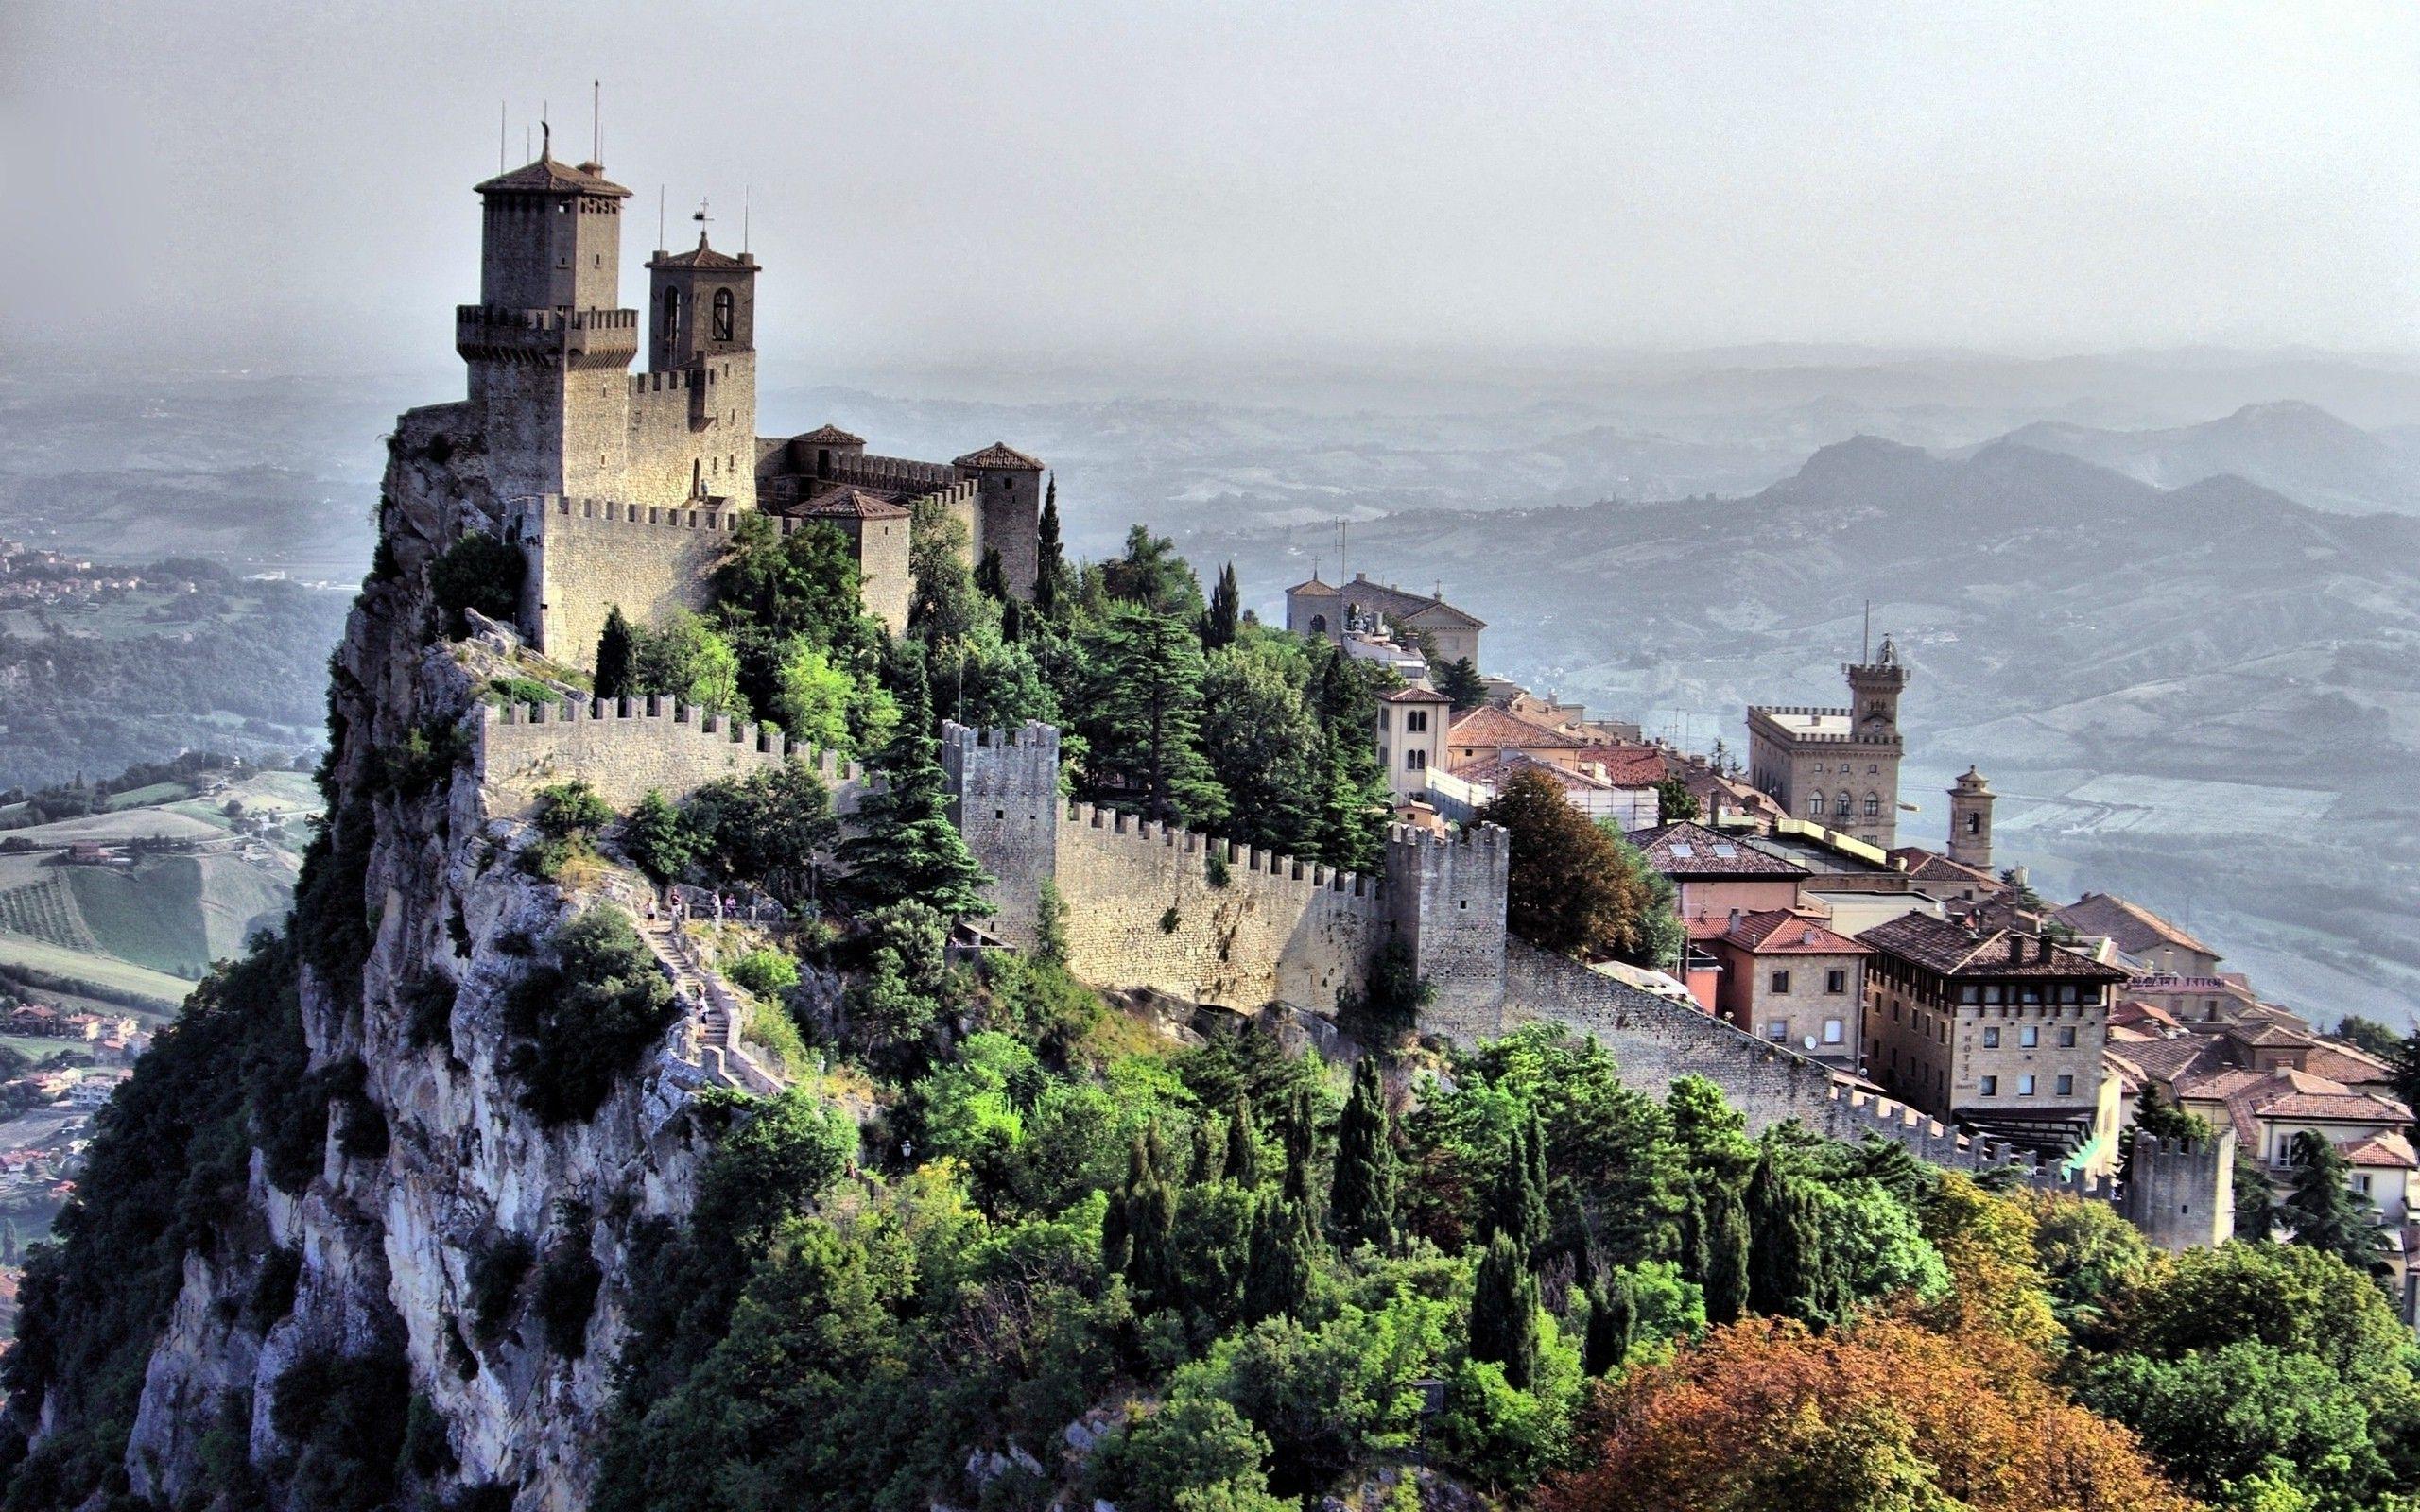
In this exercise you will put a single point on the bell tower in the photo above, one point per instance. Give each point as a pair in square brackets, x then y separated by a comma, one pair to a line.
[1970, 821]
[701, 305]
[1874, 694]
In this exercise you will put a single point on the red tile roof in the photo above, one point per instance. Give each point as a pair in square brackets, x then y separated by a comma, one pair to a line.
[1686, 849]
[2389, 1151]
[546, 176]
[830, 435]
[1488, 726]
[703, 256]
[999, 454]
[850, 503]
[1413, 693]
[2134, 928]
[1785, 932]
[1932, 865]
[1498, 768]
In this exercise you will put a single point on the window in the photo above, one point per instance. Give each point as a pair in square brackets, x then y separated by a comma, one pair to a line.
[2067, 1037]
[671, 314]
[2025, 1085]
[1974, 824]
[1780, 981]
[1319, 624]
[1415, 760]
[2029, 1036]
[1814, 805]
[2362, 1184]
[1846, 802]
[1415, 720]
[724, 308]
[1991, 1087]
[1836, 981]
[1991, 1038]
[1873, 769]
[1831, 1031]
[2065, 1086]
[1777, 1030]
[1873, 804]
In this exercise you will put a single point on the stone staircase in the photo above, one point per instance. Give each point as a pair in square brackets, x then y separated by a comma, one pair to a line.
[715, 1014]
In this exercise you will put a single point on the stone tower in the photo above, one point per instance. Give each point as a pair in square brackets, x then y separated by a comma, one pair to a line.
[1008, 511]
[693, 419]
[547, 344]
[1837, 767]
[1874, 694]
[1970, 821]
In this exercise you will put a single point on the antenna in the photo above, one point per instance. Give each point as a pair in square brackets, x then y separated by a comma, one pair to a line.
[500, 149]
[545, 131]
[658, 220]
[745, 196]
[1867, 654]
[597, 122]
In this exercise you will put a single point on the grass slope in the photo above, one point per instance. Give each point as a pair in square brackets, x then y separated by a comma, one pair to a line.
[150, 914]
[101, 971]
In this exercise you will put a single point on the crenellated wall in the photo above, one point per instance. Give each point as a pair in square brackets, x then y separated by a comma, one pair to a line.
[588, 555]
[1005, 800]
[1446, 897]
[628, 748]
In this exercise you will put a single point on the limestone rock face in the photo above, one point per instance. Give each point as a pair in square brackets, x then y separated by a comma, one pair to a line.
[380, 1249]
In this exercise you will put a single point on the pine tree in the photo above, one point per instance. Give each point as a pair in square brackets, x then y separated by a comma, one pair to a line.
[1144, 1245]
[616, 658]
[1691, 1239]
[1518, 1204]
[1504, 1312]
[1362, 1209]
[1351, 810]
[906, 848]
[1459, 680]
[2324, 1212]
[1613, 1318]
[1725, 1225]
[1277, 1274]
[1219, 620]
[1243, 1146]
[1143, 725]
[1049, 559]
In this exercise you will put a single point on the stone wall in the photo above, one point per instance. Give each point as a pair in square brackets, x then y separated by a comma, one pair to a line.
[1005, 800]
[1446, 897]
[692, 429]
[588, 555]
[1145, 910]
[626, 748]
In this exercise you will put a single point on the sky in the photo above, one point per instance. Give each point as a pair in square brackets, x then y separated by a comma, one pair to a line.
[286, 187]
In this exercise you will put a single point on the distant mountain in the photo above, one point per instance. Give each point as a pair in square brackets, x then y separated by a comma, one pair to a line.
[2207, 695]
[2299, 450]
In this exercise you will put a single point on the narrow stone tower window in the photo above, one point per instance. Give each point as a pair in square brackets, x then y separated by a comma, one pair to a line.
[722, 315]
[671, 314]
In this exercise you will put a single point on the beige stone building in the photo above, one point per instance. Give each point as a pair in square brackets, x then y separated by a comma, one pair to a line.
[2001, 1031]
[2142, 938]
[1314, 608]
[1411, 739]
[1836, 767]
[1789, 978]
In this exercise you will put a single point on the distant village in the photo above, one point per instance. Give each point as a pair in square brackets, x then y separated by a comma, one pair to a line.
[1813, 924]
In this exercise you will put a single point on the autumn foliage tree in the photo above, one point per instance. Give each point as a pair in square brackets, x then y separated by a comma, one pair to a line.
[1887, 1416]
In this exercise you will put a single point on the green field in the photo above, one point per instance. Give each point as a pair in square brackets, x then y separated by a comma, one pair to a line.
[101, 971]
[136, 798]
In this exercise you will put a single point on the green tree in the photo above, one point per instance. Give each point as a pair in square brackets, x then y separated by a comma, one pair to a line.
[1050, 582]
[1144, 728]
[1459, 680]
[991, 579]
[1141, 1244]
[1518, 1203]
[655, 836]
[1570, 890]
[1243, 1145]
[766, 829]
[2257, 1213]
[1674, 801]
[1790, 1273]
[1349, 817]
[2158, 1117]
[1363, 1206]
[2229, 1420]
[1727, 1279]
[2368, 1034]
[691, 661]
[1262, 744]
[482, 573]
[1504, 1312]
[585, 1021]
[804, 583]
[811, 698]
[616, 657]
[1277, 1274]
[906, 848]
[1152, 576]
[1613, 1318]
[2326, 1213]
[943, 605]
[1219, 621]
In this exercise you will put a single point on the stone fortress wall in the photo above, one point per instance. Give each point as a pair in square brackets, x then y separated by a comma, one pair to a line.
[626, 749]
[586, 555]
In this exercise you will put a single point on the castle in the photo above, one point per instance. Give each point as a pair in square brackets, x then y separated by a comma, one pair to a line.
[624, 488]
[627, 489]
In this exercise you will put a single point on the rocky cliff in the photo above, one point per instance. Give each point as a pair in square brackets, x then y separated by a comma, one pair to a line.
[418, 1252]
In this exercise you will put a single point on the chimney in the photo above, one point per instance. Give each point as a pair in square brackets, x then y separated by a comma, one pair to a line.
[1735, 918]
[2015, 948]
[2046, 948]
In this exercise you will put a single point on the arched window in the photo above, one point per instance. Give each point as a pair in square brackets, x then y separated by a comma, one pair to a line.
[1814, 805]
[724, 303]
[1872, 805]
[1848, 804]
[1974, 824]
[671, 314]
[1319, 624]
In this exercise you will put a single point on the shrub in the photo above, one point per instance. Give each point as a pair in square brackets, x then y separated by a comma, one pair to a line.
[573, 808]
[1169, 921]
[587, 1021]
[525, 690]
[766, 973]
[428, 1011]
[273, 1289]
[565, 1296]
[478, 571]
[658, 838]
[344, 1417]
[1215, 870]
[496, 1274]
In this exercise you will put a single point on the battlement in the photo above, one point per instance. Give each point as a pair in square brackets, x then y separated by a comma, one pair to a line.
[893, 473]
[1252, 860]
[626, 747]
[677, 380]
[720, 515]
[540, 337]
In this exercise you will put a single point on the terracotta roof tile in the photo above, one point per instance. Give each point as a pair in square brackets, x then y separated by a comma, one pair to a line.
[2388, 1150]
[1687, 848]
[1785, 932]
[2134, 928]
[999, 454]
[702, 255]
[1941, 946]
[546, 176]
[1488, 726]
[849, 504]
[830, 435]
[1413, 693]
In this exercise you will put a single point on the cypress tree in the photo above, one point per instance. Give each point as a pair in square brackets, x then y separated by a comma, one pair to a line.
[1147, 1229]
[1726, 1228]
[1692, 1238]
[1363, 1206]
[1277, 1274]
[1518, 1204]
[1788, 1272]
[1243, 1146]
[1300, 1136]
[1218, 621]
[1613, 1318]
[1504, 1312]
[906, 848]
[616, 657]
[1117, 1240]
[1209, 1154]
[990, 576]
[1049, 560]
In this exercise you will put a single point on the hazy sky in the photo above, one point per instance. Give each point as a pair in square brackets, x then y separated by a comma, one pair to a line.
[243, 185]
